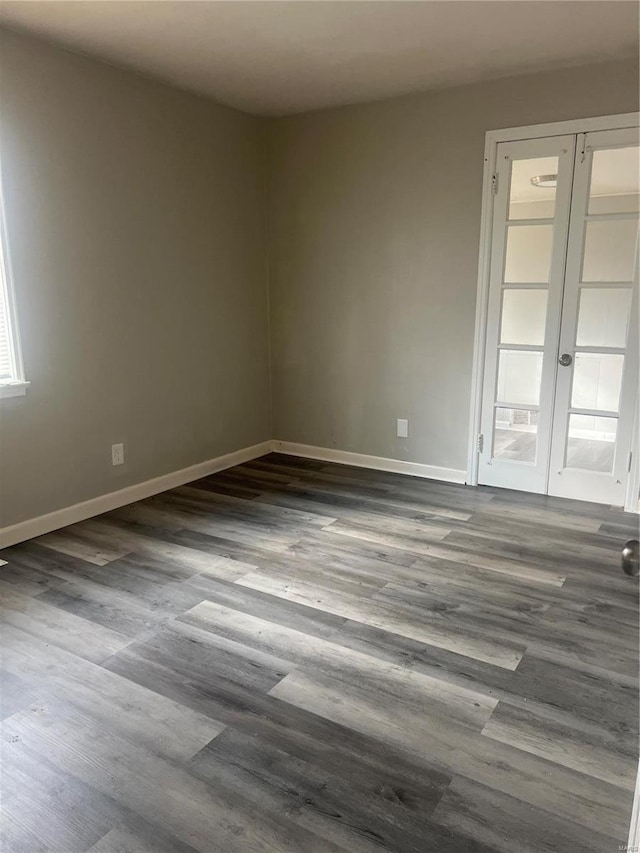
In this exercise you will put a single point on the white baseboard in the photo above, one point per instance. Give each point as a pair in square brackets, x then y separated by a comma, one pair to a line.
[33, 527]
[378, 463]
[104, 503]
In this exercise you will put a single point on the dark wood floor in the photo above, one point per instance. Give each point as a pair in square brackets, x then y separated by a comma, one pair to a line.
[296, 656]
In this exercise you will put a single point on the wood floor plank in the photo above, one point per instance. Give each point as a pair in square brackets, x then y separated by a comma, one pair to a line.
[478, 558]
[589, 749]
[57, 830]
[145, 717]
[125, 838]
[353, 816]
[528, 515]
[204, 658]
[76, 541]
[156, 514]
[565, 542]
[541, 783]
[310, 620]
[598, 696]
[398, 536]
[77, 810]
[455, 605]
[178, 561]
[158, 790]
[312, 737]
[330, 546]
[253, 509]
[15, 692]
[25, 581]
[382, 615]
[501, 545]
[506, 823]
[84, 593]
[326, 567]
[80, 636]
[315, 654]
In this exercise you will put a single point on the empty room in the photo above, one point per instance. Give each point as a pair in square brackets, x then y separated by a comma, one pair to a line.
[319, 418]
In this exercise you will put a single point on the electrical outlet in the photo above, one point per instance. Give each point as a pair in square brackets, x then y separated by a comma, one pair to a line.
[402, 430]
[117, 454]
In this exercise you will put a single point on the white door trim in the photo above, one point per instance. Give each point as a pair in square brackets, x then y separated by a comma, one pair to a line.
[492, 138]
[632, 502]
[634, 827]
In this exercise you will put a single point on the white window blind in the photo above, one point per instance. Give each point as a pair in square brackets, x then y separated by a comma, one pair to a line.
[7, 366]
[12, 381]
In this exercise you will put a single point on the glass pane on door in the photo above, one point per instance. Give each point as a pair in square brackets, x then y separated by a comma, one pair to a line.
[519, 374]
[615, 181]
[591, 443]
[524, 313]
[515, 435]
[532, 192]
[597, 378]
[528, 255]
[609, 251]
[603, 316]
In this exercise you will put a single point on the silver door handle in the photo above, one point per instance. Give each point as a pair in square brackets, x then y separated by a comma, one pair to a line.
[630, 558]
[565, 359]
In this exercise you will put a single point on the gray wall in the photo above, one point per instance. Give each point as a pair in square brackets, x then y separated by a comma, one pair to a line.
[136, 218]
[374, 223]
[135, 215]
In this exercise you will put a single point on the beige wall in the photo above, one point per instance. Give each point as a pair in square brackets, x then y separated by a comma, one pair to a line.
[135, 214]
[374, 222]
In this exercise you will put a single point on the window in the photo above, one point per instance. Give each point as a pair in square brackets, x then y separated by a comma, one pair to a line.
[12, 382]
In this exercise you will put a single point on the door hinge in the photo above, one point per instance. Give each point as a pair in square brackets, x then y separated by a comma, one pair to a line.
[582, 142]
[479, 442]
[629, 461]
[494, 183]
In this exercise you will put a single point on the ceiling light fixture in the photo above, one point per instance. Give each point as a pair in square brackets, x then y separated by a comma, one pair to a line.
[545, 181]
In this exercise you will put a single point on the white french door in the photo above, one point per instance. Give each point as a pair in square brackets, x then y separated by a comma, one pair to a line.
[561, 358]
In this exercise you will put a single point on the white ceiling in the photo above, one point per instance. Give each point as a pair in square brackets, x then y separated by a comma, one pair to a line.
[276, 58]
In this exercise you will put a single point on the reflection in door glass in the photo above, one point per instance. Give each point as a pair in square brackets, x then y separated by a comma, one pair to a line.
[610, 250]
[531, 196]
[515, 435]
[519, 374]
[603, 319]
[597, 378]
[528, 256]
[615, 181]
[591, 443]
[524, 313]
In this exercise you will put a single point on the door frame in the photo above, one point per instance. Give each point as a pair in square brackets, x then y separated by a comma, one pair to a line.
[492, 138]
